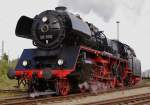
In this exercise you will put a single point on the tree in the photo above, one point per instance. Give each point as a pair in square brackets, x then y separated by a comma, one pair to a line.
[5, 57]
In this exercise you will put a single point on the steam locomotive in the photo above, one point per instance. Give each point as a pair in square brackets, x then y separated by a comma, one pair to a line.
[72, 55]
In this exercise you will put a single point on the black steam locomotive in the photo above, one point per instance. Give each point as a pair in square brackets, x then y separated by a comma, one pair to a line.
[72, 55]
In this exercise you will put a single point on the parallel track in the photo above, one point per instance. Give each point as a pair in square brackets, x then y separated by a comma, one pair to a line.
[12, 91]
[25, 100]
[132, 100]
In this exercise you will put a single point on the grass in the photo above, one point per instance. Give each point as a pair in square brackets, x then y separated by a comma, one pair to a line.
[5, 82]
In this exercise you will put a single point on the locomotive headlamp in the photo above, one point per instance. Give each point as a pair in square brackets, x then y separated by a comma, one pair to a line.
[25, 63]
[60, 62]
[44, 19]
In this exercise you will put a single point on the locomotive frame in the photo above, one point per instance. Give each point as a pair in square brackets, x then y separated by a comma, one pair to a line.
[102, 72]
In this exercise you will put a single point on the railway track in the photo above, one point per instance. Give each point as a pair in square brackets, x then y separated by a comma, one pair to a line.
[12, 91]
[13, 99]
[141, 99]
[25, 100]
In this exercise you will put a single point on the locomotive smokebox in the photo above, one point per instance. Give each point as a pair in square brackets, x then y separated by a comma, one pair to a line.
[48, 30]
[53, 28]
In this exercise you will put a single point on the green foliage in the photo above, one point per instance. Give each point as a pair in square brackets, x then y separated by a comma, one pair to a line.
[5, 57]
[5, 65]
[13, 63]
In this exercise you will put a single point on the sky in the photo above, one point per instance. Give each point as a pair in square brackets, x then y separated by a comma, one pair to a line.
[134, 17]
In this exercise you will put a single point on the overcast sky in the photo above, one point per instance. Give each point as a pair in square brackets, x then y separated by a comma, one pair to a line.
[134, 16]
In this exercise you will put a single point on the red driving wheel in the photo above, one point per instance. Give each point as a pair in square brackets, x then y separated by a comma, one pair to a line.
[62, 87]
[113, 82]
[83, 89]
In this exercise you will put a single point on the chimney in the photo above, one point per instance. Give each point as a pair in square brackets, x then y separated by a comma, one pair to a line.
[61, 8]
